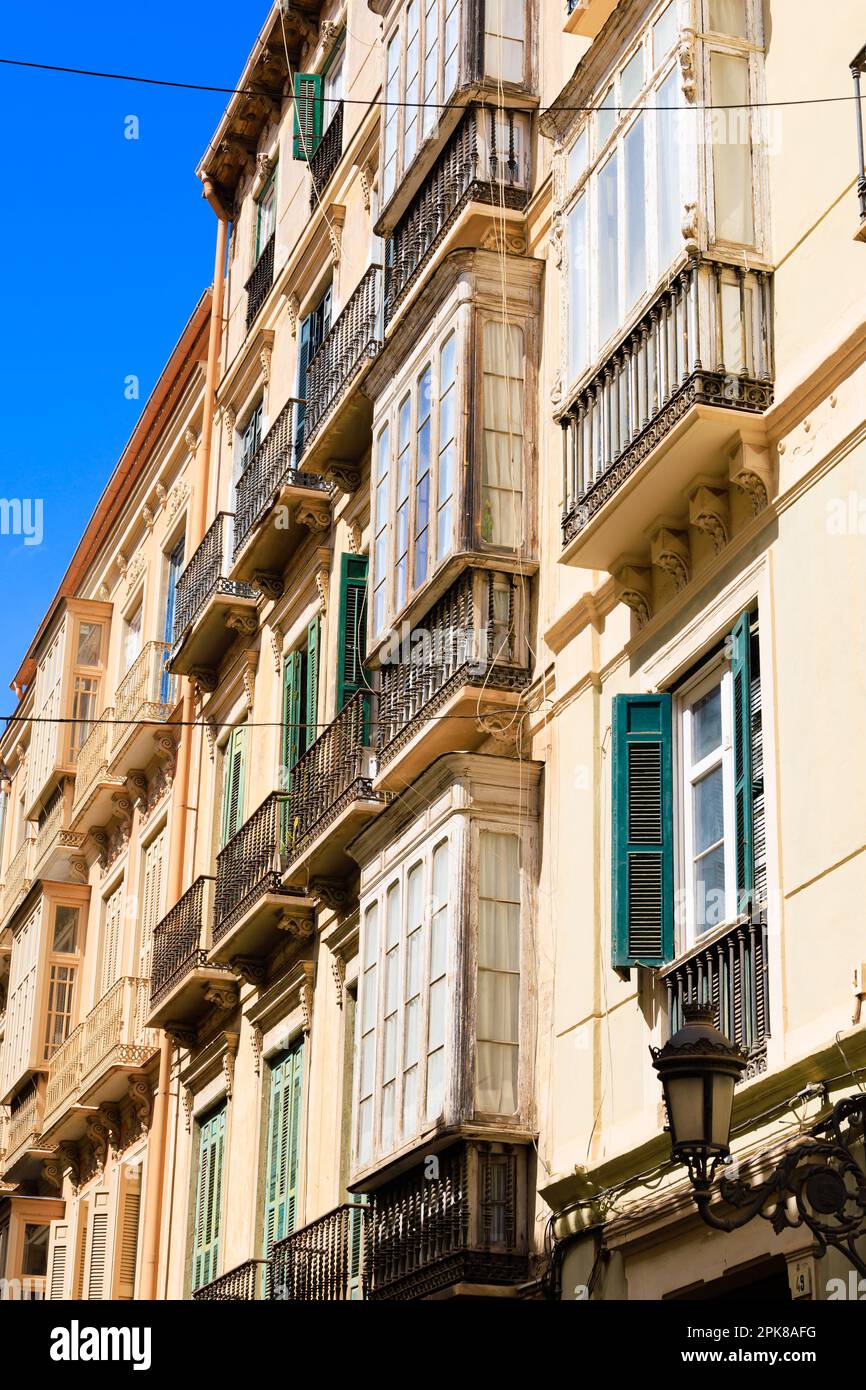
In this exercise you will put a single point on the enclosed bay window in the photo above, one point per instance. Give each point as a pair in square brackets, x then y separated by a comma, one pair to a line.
[88, 656]
[421, 71]
[63, 960]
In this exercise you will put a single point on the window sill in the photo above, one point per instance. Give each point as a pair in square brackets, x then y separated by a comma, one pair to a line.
[708, 939]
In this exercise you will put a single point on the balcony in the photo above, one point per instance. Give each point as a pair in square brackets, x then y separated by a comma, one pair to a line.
[656, 416]
[730, 970]
[259, 284]
[23, 1125]
[146, 695]
[180, 972]
[210, 607]
[324, 161]
[252, 907]
[95, 783]
[275, 507]
[462, 1233]
[332, 796]
[323, 1262]
[246, 1284]
[55, 840]
[486, 161]
[339, 416]
[466, 664]
[587, 17]
[93, 1064]
[17, 879]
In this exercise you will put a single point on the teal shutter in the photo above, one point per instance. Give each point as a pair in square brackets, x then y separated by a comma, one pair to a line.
[284, 1144]
[292, 732]
[233, 783]
[352, 629]
[308, 114]
[642, 839]
[743, 790]
[357, 1217]
[312, 730]
[205, 1263]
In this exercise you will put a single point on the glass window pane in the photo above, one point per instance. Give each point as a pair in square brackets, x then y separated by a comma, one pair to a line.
[498, 1005]
[706, 724]
[436, 1016]
[632, 80]
[89, 644]
[410, 1101]
[729, 17]
[605, 118]
[578, 158]
[578, 336]
[496, 1083]
[435, 1083]
[709, 881]
[35, 1258]
[499, 876]
[709, 810]
[365, 1130]
[635, 211]
[608, 248]
[371, 935]
[664, 33]
[732, 148]
[670, 208]
[65, 928]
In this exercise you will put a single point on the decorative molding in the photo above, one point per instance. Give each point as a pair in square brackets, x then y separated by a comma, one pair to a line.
[710, 512]
[306, 995]
[229, 1059]
[323, 576]
[182, 1037]
[210, 729]
[136, 569]
[99, 835]
[257, 1041]
[335, 237]
[277, 639]
[752, 472]
[243, 621]
[503, 728]
[338, 970]
[264, 165]
[97, 1134]
[110, 1116]
[330, 892]
[510, 239]
[669, 550]
[316, 516]
[122, 809]
[345, 475]
[354, 537]
[205, 680]
[690, 227]
[176, 498]
[230, 416]
[299, 926]
[268, 583]
[251, 661]
[250, 969]
[136, 785]
[293, 309]
[633, 587]
[148, 518]
[141, 1095]
[223, 995]
[557, 238]
[265, 359]
[161, 495]
[188, 1105]
[166, 751]
[78, 870]
[190, 439]
[686, 59]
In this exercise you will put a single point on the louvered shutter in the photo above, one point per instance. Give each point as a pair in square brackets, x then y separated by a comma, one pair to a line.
[151, 901]
[743, 791]
[209, 1199]
[292, 743]
[59, 1255]
[312, 729]
[303, 363]
[352, 629]
[642, 838]
[284, 1130]
[357, 1216]
[308, 114]
[80, 1249]
[111, 941]
[97, 1253]
[129, 1213]
[233, 783]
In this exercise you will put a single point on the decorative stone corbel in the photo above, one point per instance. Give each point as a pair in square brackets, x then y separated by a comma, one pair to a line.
[148, 518]
[268, 583]
[299, 926]
[557, 238]
[277, 638]
[265, 360]
[251, 661]
[710, 512]
[335, 237]
[338, 970]
[306, 994]
[122, 563]
[188, 1105]
[264, 166]
[134, 571]
[293, 309]
[689, 227]
[503, 728]
[141, 1096]
[97, 1134]
[510, 240]
[210, 729]
[686, 58]
[223, 994]
[183, 1037]
[176, 498]
[229, 1059]
[166, 751]
[250, 969]
[52, 1171]
[257, 1042]
[633, 586]
[110, 1117]
[670, 552]
[751, 471]
[316, 516]
[136, 785]
[323, 576]
[99, 835]
[354, 537]
[78, 870]
[366, 184]
[330, 892]
[243, 621]
[204, 678]
[161, 495]
[104, 593]
[345, 476]
[190, 439]
[121, 809]
[230, 417]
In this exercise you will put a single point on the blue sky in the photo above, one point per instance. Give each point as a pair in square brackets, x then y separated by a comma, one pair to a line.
[106, 245]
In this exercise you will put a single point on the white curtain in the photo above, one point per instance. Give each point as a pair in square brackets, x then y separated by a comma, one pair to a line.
[732, 149]
[498, 1000]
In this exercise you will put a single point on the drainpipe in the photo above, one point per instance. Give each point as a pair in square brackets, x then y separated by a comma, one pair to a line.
[180, 791]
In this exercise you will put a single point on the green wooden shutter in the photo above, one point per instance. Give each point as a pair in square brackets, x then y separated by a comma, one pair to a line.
[233, 783]
[643, 907]
[352, 630]
[284, 1144]
[308, 114]
[312, 730]
[357, 1216]
[205, 1261]
[743, 790]
[292, 732]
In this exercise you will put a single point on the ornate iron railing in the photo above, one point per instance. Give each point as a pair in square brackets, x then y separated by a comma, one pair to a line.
[470, 634]
[64, 1073]
[355, 335]
[486, 160]
[139, 695]
[426, 1233]
[250, 864]
[245, 1284]
[334, 771]
[207, 574]
[114, 1031]
[50, 826]
[259, 283]
[731, 973]
[93, 757]
[17, 877]
[327, 156]
[707, 314]
[270, 468]
[322, 1262]
[180, 939]
[23, 1120]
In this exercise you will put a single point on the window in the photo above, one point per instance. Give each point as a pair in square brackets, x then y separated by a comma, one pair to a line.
[208, 1202]
[62, 973]
[86, 682]
[112, 940]
[131, 638]
[35, 1254]
[380, 537]
[502, 461]
[497, 1026]
[313, 330]
[152, 876]
[505, 39]
[352, 629]
[421, 72]
[300, 701]
[333, 85]
[173, 570]
[266, 215]
[284, 1146]
[234, 769]
[251, 438]
[688, 838]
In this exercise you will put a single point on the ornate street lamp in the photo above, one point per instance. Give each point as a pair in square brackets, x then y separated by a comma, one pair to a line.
[818, 1182]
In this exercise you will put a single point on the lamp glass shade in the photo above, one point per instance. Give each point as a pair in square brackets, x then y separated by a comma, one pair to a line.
[685, 1097]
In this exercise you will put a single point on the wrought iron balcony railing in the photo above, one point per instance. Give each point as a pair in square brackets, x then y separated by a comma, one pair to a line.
[93, 757]
[251, 864]
[16, 880]
[146, 693]
[327, 156]
[467, 1224]
[271, 467]
[354, 335]
[323, 1262]
[259, 283]
[486, 161]
[179, 940]
[707, 314]
[207, 574]
[333, 772]
[730, 972]
[246, 1284]
[469, 636]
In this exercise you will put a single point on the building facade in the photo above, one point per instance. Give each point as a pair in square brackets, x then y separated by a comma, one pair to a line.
[456, 679]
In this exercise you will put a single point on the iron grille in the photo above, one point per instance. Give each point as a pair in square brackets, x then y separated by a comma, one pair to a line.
[355, 335]
[260, 281]
[333, 771]
[207, 574]
[246, 1284]
[327, 156]
[251, 864]
[731, 973]
[322, 1262]
[178, 940]
[270, 468]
